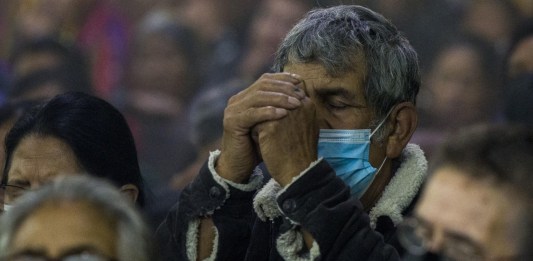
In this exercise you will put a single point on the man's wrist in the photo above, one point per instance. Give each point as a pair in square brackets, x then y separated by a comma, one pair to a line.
[225, 171]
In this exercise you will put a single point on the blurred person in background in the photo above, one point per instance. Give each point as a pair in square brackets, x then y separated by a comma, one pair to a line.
[462, 88]
[498, 29]
[271, 21]
[42, 68]
[414, 17]
[205, 116]
[137, 10]
[74, 218]
[219, 26]
[518, 90]
[162, 79]
[94, 26]
[44, 84]
[71, 134]
[477, 203]
[46, 54]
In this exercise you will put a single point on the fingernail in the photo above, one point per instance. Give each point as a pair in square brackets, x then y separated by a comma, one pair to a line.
[296, 76]
[294, 101]
[299, 91]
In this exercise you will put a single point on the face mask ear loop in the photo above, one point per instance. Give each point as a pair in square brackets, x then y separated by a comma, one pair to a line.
[375, 175]
[381, 123]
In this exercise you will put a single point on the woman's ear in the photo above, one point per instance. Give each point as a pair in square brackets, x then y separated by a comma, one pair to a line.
[130, 191]
[404, 122]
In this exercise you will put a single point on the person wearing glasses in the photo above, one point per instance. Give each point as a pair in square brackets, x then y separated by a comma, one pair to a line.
[72, 133]
[478, 202]
[78, 218]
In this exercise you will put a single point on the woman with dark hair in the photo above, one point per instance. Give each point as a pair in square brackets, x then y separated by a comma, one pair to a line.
[72, 133]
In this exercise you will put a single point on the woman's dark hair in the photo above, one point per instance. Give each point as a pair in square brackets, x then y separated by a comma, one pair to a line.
[96, 132]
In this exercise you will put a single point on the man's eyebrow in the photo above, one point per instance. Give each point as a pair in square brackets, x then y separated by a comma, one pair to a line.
[334, 91]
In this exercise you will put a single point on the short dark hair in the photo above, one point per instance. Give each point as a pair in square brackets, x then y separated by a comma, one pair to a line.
[73, 62]
[96, 132]
[500, 153]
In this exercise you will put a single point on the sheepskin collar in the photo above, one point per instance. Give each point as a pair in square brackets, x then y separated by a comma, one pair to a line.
[396, 197]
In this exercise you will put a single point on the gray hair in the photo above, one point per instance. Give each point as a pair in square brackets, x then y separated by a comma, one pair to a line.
[134, 242]
[339, 37]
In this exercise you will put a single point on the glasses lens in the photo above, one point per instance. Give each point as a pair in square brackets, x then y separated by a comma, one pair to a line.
[84, 257]
[2, 194]
[11, 193]
[458, 251]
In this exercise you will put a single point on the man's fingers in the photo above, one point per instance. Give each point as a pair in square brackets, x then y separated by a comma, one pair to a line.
[283, 76]
[286, 83]
[273, 99]
[252, 116]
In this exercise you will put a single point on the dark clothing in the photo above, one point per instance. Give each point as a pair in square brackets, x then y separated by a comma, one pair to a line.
[336, 221]
[318, 201]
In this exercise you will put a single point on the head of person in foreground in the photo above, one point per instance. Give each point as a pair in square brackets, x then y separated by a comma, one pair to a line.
[74, 218]
[71, 134]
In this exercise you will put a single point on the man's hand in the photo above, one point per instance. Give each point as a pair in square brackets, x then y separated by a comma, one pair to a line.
[289, 145]
[269, 98]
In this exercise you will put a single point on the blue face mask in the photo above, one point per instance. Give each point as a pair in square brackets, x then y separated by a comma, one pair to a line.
[347, 152]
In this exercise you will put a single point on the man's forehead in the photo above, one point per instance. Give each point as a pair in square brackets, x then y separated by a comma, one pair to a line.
[472, 206]
[317, 76]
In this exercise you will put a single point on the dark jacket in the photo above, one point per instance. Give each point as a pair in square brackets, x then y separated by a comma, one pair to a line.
[318, 201]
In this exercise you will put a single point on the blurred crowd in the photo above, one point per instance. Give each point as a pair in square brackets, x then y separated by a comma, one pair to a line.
[169, 66]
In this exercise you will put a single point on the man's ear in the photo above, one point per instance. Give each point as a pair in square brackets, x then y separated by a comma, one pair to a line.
[404, 121]
[130, 191]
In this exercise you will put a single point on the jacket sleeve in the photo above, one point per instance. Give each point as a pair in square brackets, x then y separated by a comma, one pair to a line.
[209, 195]
[320, 203]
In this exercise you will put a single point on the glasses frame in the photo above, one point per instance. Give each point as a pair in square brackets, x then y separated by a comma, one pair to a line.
[82, 256]
[407, 231]
[3, 191]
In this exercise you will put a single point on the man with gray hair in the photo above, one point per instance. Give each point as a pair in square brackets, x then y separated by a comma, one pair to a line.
[74, 218]
[331, 127]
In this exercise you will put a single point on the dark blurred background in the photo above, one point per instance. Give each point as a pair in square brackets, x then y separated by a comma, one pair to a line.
[171, 65]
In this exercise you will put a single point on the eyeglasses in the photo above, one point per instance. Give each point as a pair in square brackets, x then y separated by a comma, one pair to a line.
[84, 256]
[10, 193]
[415, 237]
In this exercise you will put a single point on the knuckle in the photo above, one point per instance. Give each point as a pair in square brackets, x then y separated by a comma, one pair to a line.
[233, 98]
